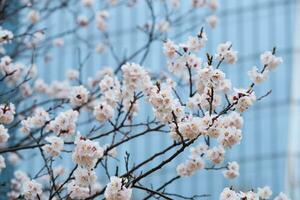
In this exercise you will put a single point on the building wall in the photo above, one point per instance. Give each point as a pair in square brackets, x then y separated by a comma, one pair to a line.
[253, 26]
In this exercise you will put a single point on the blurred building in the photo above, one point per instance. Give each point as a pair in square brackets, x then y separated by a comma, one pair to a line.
[269, 151]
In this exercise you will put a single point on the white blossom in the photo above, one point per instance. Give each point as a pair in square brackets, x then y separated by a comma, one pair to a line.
[59, 89]
[264, 192]
[33, 16]
[79, 95]
[40, 118]
[228, 194]
[281, 196]
[230, 136]
[212, 21]
[216, 154]
[103, 111]
[13, 158]
[243, 99]
[191, 128]
[7, 112]
[269, 60]
[87, 3]
[101, 47]
[3, 134]
[86, 152]
[72, 74]
[182, 170]
[84, 177]
[77, 192]
[258, 77]
[213, 4]
[199, 149]
[226, 52]
[170, 48]
[58, 42]
[232, 170]
[196, 43]
[32, 190]
[65, 123]
[2, 163]
[16, 184]
[249, 195]
[5, 36]
[163, 26]
[116, 190]
[40, 86]
[101, 18]
[55, 147]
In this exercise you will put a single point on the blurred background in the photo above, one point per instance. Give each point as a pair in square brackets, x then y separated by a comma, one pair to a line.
[269, 151]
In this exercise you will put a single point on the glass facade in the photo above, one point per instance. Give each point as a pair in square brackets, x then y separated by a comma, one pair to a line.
[253, 26]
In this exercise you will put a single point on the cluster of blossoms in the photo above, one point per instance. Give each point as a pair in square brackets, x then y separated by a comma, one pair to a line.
[225, 52]
[7, 112]
[16, 72]
[40, 118]
[16, 184]
[55, 146]
[3, 134]
[32, 190]
[116, 189]
[64, 124]
[179, 60]
[211, 86]
[194, 162]
[135, 78]
[86, 154]
[270, 62]
[84, 185]
[111, 93]
[164, 104]
[263, 193]
[5, 36]
[201, 114]
[232, 170]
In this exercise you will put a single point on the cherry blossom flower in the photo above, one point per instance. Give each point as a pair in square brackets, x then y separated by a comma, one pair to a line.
[281, 196]
[228, 194]
[33, 16]
[264, 192]
[65, 123]
[116, 190]
[55, 147]
[3, 134]
[58, 42]
[7, 112]
[5, 36]
[87, 3]
[2, 163]
[32, 190]
[86, 152]
[79, 95]
[216, 154]
[72, 74]
[257, 77]
[271, 61]
[232, 170]
[212, 21]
